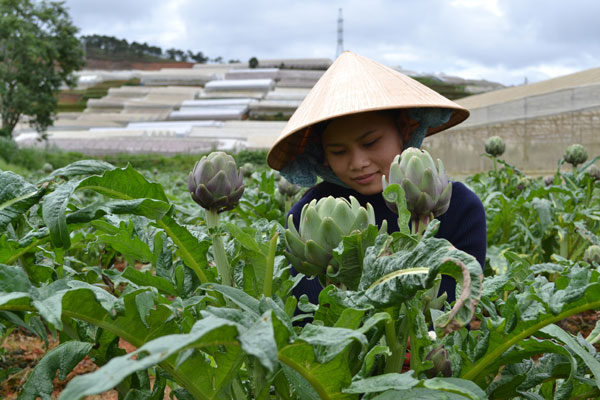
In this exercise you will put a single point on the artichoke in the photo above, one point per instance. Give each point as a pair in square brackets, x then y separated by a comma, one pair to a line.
[592, 255]
[441, 363]
[549, 180]
[575, 154]
[427, 188]
[594, 172]
[323, 223]
[286, 188]
[494, 146]
[47, 168]
[215, 183]
[247, 169]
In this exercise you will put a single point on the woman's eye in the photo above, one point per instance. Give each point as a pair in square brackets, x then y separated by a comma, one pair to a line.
[337, 152]
[371, 143]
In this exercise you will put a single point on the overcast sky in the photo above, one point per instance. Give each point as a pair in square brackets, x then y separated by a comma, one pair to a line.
[504, 41]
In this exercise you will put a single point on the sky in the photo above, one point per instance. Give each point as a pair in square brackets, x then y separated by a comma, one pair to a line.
[505, 41]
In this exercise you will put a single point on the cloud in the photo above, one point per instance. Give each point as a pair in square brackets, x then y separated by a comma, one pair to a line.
[507, 39]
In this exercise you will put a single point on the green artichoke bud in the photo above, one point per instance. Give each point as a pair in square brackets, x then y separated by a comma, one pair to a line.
[215, 182]
[286, 188]
[494, 146]
[575, 154]
[594, 172]
[47, 168]
[247, 169]
[427, 188]
[592, 255]
[323, 223]
[441, 363]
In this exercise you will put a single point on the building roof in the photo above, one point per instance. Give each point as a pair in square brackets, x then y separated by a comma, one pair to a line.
[582, 78]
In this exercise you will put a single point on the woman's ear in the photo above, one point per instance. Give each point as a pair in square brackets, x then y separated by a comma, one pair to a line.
[325, 162]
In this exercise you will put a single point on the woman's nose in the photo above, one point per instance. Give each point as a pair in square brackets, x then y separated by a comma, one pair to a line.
[359, 160]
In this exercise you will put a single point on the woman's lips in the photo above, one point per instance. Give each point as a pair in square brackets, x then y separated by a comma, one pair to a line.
[364, 179]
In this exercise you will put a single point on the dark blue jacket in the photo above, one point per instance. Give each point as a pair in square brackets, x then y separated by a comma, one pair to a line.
[463, 225]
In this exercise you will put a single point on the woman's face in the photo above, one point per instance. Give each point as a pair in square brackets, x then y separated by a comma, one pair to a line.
[359, 149]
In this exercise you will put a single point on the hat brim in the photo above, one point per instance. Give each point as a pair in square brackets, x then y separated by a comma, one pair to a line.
[355, 84]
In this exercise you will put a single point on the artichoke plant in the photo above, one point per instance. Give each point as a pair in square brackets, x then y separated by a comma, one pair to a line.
[286, 188]
[575, 154]
[215, 183]
[494, 146]
[549, 180]
[441, 363]
[594, 172]
[426, 187]
[323, 223]
[592, 255]
[47, 168]
[247, 169]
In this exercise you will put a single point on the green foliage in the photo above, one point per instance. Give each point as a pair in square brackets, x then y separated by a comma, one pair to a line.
[75, 100]
[535, 221]
[100, 253]
[8, 149]
[448, 90]
[33, 158]
[40, 51]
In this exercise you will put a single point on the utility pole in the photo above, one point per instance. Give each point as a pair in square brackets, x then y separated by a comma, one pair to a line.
[340, 35]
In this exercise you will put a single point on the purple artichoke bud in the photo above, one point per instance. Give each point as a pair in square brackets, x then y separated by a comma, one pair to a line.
[592, 255]
[286, 188]
[575, 154]
[441, 363]
[427, 188]
[549, 180]
[594, 172]
[215, 183]
[494, 146]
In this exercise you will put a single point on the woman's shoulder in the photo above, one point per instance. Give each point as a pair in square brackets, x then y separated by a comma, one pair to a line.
[463, 196]
[465, 207]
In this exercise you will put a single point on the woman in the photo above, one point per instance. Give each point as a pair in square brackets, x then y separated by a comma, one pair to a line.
[351, 125]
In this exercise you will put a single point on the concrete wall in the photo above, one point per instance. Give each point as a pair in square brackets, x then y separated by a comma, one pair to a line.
[536, 130]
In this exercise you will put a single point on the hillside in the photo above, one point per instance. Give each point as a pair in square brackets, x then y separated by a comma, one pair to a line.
[125, 64]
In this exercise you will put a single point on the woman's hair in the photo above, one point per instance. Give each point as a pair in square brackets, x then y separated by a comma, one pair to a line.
[404, 124]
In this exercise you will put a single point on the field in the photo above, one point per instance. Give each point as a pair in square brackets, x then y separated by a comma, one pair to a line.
[115, 283]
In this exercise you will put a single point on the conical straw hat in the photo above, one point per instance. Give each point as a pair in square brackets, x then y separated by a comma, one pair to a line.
[354, 84]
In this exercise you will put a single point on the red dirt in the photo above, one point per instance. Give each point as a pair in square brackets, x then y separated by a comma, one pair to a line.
[126, 65]
[23, 351]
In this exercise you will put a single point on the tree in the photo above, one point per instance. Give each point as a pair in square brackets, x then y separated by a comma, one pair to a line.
[172, 54]
[38, 52]
[199, 57]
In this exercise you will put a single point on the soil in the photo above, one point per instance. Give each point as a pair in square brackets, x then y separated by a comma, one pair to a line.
[140, 65]
[22, 352]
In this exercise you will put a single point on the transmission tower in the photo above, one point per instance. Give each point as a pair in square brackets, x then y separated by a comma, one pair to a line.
[340, 35]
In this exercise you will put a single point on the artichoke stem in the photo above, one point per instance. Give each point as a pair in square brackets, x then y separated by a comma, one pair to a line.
[268, 288]
[287, 204]
[419, 224]
[394, 362]
[212, 221]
